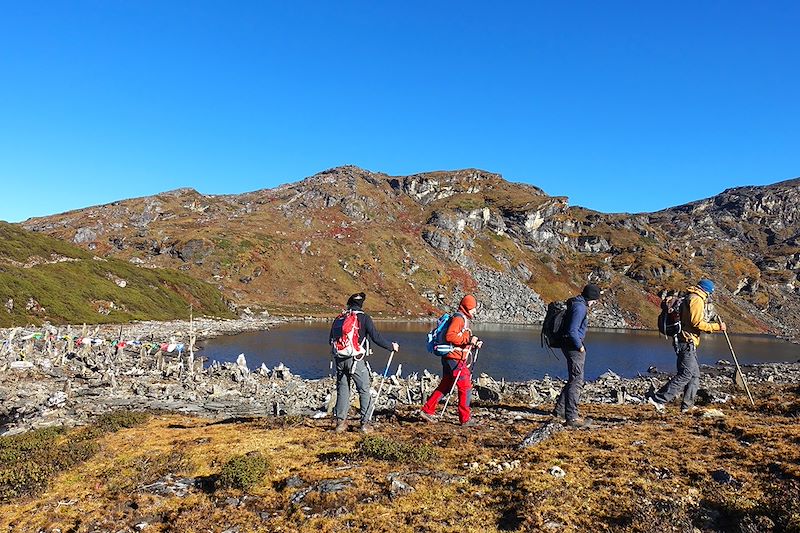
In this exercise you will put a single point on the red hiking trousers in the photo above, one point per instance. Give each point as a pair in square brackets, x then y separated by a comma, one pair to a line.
[451, 369]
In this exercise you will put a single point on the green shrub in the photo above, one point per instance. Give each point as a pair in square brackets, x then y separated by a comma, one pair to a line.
[29, 461]
[74, 452]
[23, 479]
[387, 449]
[116, 420]
[18, 447]
[244, 471]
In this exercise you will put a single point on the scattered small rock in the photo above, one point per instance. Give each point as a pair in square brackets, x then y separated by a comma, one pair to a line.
[725, 478]
[543, 433]
[293, 482]
[397, 487]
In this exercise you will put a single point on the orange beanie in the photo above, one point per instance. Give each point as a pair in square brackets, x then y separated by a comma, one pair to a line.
[468, 302]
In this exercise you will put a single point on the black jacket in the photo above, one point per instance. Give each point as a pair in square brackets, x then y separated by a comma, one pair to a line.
[366, 328]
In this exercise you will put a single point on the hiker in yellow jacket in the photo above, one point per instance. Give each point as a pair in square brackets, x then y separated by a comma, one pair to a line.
[694, 321]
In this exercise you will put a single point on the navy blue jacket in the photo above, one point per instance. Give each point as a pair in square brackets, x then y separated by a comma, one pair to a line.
[577, 323]
[365, 326]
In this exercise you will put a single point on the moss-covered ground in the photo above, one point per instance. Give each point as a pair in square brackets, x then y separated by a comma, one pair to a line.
[634, 471]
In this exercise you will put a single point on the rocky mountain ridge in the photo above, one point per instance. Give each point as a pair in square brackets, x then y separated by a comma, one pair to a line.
[416, 243]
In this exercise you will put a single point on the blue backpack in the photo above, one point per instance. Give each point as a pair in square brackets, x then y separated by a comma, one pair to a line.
[435, 336]
[436, 343]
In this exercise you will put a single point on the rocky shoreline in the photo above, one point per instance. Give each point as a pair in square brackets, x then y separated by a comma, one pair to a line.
[49, 378]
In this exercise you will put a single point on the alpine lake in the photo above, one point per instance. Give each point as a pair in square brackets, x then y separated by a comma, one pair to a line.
[510, 352]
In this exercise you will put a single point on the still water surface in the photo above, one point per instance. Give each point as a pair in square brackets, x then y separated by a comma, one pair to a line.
[509, 351]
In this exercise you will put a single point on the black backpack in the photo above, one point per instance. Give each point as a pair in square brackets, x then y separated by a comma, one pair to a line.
[669, 320]
[553, 324]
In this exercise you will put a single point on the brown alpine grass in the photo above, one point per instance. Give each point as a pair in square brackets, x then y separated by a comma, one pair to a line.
[634, 471]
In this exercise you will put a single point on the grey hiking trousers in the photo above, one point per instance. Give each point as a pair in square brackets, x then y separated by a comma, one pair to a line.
[347, 368]
[687, 380]
[567, 401]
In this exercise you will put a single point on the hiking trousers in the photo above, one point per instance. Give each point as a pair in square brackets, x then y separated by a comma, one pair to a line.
[348, 368]
[687, 380]
[451, 369]
[567, 401]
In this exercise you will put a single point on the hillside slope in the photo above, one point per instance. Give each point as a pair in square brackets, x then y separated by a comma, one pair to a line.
[42, 278]
[414, 243]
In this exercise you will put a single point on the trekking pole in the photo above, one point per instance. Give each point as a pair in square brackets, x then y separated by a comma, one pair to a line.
[380, 388]
[738, 368]
[451, 390]
[471, 366]
[474, 360]
[553, 353]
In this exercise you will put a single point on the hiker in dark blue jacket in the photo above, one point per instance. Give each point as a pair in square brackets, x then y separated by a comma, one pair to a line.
[576, 323]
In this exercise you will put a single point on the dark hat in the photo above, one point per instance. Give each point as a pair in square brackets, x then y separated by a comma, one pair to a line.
[591, 292]
[356, 300]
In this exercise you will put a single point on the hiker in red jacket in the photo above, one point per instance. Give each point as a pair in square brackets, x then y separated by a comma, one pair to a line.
[454, 364]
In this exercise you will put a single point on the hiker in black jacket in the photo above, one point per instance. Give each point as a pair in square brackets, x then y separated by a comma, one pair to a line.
[349, 355]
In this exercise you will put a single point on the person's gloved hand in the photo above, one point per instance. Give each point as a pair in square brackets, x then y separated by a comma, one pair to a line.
[479, 343]
[395, 347]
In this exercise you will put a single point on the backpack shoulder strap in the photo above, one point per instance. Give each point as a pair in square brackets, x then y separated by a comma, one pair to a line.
[464, 318]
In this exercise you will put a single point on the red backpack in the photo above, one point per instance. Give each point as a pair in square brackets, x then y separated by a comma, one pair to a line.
[347, 342]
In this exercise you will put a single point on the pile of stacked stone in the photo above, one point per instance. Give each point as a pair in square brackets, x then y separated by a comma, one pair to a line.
[46, 379]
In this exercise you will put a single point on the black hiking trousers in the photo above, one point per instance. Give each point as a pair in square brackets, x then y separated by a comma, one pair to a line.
[567, 401]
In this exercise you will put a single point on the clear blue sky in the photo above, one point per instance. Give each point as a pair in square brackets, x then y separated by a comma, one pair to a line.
[622, 106]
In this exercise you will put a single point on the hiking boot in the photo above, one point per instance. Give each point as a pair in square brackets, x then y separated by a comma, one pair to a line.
[469, 423]
[580, 423]
[366, 427]
[427, 417]
[558, 414]
[686, 410]
[341, 426]
[655, 403]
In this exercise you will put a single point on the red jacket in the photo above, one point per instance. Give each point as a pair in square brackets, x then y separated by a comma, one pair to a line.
[458, 334]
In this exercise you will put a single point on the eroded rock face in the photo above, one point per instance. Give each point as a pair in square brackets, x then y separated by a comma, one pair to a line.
[505, 298]
[85, 235]
[429, 187]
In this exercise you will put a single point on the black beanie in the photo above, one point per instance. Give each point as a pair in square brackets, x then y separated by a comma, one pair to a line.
[356, 300]
[591, 292]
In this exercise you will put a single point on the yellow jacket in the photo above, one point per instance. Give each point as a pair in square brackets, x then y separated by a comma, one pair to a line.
[693, 317]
